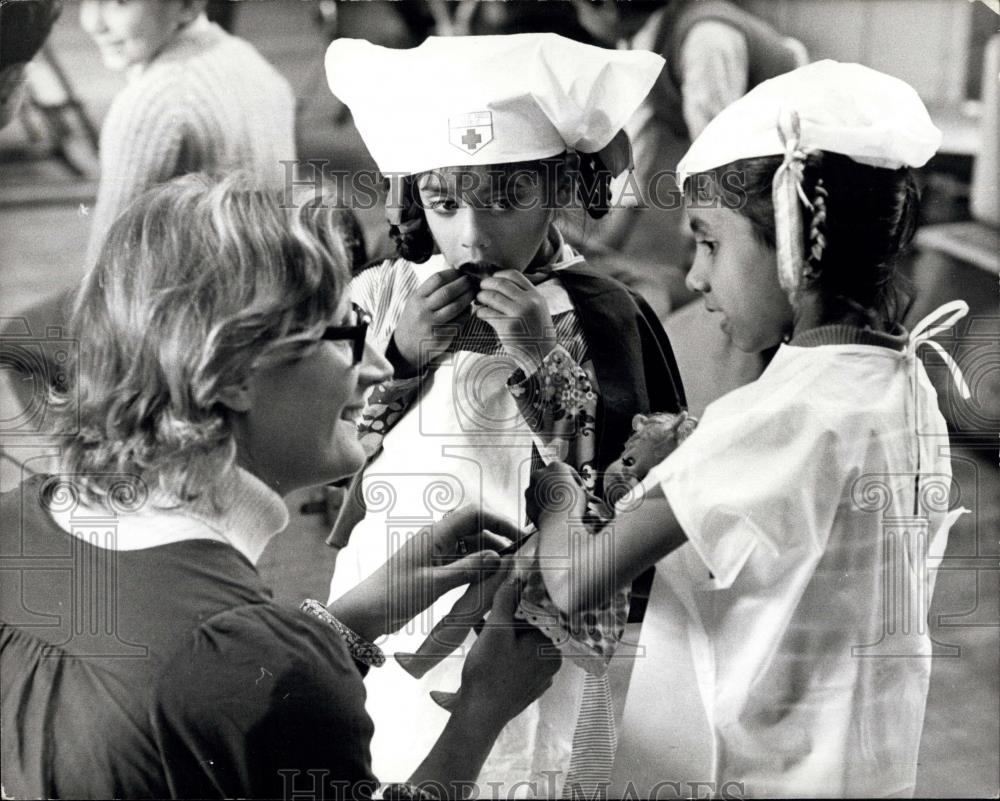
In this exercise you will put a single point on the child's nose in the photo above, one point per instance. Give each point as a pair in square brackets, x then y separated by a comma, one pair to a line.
[697, 278]
[475, 240]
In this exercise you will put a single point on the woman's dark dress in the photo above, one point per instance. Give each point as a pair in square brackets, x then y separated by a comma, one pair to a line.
[164, 672]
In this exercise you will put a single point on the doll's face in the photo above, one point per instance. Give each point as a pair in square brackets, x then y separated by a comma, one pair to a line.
[484, 221]
[645, 449]
[638, 458]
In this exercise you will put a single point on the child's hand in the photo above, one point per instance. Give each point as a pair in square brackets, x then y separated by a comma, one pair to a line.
[421, 334]
[555, 491]
[518, 313]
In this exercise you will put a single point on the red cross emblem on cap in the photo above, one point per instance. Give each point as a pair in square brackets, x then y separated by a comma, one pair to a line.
[471, 132]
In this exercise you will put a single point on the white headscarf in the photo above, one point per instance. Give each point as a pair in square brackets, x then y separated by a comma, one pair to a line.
[850, 109]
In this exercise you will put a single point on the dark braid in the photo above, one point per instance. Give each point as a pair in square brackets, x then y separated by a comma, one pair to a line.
[866, 217]
[411, 236]
[817, 229]
[594, 185]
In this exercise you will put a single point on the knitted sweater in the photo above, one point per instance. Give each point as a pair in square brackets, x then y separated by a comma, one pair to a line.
[207, 102]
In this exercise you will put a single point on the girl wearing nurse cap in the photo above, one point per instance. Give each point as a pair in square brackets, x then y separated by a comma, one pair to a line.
[508, 352]
[785, 643]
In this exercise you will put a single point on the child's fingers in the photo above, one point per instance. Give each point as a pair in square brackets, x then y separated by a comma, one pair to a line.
[499, 302]
[436, 281]
[450, 292]
[452, 630]
[445, 638]
[457, 307]
[511, 279]
[504, 603]
[504, 285]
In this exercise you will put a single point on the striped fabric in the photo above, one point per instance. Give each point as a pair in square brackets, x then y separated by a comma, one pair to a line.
[477, 336]
[594, 742]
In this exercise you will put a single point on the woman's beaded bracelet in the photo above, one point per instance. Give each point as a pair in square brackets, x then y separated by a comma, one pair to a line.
[365, 652]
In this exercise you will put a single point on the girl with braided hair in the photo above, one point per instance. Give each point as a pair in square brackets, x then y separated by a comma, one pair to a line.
[508, 352]
[794, 526]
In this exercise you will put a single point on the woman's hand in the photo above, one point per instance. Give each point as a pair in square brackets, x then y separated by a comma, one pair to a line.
[431, 318]
[511, 665]
[461, 548]
[451, 632]
[516, 310]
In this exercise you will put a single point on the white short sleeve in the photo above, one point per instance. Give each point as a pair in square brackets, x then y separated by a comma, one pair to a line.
[753, 480]
[382, 291]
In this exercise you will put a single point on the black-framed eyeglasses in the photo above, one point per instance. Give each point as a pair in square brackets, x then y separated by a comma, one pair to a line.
[355, 333]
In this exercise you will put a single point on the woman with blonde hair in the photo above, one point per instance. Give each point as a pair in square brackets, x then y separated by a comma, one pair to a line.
[221, 366]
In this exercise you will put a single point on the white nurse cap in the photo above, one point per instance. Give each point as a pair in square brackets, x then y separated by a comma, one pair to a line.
[478, 100]
[850, 109]
[858, 112]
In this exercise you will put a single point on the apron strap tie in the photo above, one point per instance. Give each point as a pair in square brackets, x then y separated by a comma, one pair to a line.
[933, 324]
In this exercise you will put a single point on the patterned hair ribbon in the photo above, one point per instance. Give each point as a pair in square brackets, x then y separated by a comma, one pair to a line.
[786, 192]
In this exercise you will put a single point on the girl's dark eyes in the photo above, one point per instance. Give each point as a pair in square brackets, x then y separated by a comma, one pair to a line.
[708, 245]
[449, 204]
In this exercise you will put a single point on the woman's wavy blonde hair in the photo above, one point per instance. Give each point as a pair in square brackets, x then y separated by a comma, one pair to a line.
[196, 280]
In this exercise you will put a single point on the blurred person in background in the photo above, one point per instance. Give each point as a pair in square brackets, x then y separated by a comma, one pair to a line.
[196, 100]
[24, 27]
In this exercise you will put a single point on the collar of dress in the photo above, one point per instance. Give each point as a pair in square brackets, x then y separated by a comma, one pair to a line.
[242, 511]
[842, 334]
[563, 255]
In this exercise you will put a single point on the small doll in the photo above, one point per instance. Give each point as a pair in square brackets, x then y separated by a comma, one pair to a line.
[656, 436]
[589, 639]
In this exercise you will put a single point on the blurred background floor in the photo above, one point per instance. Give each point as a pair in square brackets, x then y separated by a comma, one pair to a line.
[43, 231]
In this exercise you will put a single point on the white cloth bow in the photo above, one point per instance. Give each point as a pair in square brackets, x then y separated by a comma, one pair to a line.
[941, 319]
